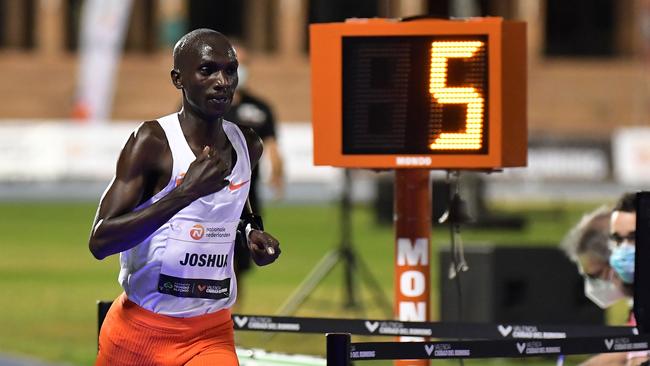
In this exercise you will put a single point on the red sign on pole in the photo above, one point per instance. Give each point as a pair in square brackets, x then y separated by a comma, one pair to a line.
[412, 281]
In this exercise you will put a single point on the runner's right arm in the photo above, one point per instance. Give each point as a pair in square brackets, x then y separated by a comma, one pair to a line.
[144, 168]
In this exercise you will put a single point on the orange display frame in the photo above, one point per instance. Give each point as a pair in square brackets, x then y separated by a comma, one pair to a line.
[506, 118]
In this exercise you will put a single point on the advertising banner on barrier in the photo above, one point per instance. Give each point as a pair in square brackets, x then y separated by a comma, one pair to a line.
[495, 348]
[376, 327]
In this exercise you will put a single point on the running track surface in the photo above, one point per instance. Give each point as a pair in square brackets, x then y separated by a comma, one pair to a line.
[9, 360]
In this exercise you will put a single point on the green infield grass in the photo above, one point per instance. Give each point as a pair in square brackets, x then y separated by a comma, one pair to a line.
[50, 282]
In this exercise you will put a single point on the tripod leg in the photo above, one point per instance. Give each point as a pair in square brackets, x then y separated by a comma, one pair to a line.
[308, 285]
[373, 285]
[349, 265]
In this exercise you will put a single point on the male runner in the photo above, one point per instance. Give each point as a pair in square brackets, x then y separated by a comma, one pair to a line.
[172, 212]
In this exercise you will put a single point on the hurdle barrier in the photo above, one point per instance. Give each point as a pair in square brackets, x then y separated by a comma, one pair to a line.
[496, 340]
[341, 351]
[376, 327]
[480, 340]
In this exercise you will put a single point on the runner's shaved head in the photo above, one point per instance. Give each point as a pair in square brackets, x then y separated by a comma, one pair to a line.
[192, 41]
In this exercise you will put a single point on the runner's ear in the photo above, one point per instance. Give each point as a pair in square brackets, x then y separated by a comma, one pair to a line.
[176, 78]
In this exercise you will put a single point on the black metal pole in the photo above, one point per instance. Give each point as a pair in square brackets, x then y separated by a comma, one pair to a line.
[346, 237]
[338, 349]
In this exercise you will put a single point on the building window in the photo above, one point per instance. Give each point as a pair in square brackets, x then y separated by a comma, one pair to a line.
[328, 11]
[580, 27]
[17, 24]
[72, 22]
[325, 11]
[141, 34]
[225, 16]
[3, 22]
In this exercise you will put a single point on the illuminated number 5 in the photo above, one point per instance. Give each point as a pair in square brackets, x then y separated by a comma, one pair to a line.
[472, 138]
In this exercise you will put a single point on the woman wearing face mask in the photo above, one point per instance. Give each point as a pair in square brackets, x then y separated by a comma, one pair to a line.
[587, 246]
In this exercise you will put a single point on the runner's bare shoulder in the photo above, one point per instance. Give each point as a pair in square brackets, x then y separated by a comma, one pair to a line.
[147, 148]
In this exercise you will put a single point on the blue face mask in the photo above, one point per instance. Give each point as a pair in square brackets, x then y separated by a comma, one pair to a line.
[622, 261]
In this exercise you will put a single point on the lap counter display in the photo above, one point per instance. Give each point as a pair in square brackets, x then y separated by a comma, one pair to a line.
[421, 94]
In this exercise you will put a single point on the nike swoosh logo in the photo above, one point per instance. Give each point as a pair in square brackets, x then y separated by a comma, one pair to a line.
[236, 186]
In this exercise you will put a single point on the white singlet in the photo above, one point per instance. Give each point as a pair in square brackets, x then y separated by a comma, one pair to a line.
[185, 268]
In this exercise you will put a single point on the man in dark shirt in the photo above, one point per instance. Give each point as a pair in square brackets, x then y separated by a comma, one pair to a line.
[251, 111]
[248, 110]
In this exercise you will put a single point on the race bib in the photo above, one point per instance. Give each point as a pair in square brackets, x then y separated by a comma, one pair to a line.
[198, 260]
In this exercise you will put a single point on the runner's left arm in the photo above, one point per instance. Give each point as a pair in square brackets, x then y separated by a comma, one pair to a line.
[264, 248]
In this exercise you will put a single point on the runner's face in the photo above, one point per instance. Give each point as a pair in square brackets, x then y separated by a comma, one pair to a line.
[209, 77]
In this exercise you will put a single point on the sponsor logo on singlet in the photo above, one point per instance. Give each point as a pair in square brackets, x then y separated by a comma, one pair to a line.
[197, 231]
[217, 232]
[197, 288]
[235, 186]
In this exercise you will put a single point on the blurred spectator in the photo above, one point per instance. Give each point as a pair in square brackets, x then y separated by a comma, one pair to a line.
[602, 245]
[587, 244]
[622, 242]
[251, 111]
